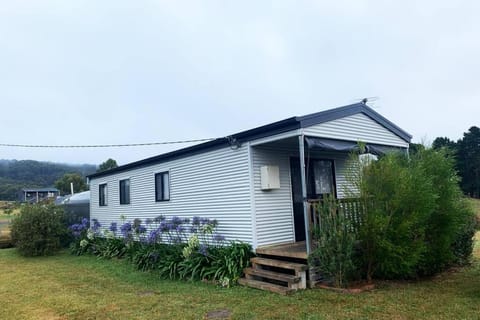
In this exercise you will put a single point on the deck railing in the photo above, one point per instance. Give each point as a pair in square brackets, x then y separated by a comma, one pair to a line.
[351, 208]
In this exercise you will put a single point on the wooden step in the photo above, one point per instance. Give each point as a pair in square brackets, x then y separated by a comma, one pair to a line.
[265, 286]
[279, 264]
[271, 275]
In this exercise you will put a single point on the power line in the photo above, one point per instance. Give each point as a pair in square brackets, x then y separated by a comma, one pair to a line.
[103, 145]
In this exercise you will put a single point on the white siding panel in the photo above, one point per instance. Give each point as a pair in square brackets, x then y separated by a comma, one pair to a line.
[358, 127]
[213, 184]
[273, 208]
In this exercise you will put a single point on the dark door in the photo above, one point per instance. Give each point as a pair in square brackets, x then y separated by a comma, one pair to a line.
[320, 175]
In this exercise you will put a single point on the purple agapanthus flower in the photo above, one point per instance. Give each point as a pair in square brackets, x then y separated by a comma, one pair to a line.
[176, 221]
[195, 221]
[154, 236]
[180, 229]
[113, 227]
[163, 227]
[77, 229]
[126, 228]
[141, 229]
[96, 225]
[85, 222]
[218, 237]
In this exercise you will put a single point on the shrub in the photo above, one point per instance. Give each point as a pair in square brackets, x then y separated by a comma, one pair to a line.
[451, 218]
[463, 243]
[39, 230]
[416, 222]
[333, 243]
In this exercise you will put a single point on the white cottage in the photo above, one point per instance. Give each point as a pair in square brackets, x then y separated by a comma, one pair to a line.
[255, 183]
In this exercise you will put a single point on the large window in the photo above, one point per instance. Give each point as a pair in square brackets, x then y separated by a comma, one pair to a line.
[125, 191]
[102, 194]
[162, 186]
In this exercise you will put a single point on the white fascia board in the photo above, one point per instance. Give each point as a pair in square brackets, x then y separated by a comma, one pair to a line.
[281, 136]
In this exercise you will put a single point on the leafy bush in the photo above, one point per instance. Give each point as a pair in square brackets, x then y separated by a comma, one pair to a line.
[39, 230]
[333, 243]
[463, 244]
[416, 221]
[451, 219]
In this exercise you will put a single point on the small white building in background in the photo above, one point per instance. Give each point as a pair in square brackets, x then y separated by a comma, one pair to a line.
[251, 182]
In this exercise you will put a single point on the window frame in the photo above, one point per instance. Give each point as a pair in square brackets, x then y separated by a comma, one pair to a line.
[124, 195]
[161, 176]
[103, 194]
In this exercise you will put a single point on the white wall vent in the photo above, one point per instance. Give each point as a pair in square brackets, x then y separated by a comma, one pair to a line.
[270, 177]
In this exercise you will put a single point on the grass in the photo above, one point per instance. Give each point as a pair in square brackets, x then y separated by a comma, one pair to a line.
[70, 287]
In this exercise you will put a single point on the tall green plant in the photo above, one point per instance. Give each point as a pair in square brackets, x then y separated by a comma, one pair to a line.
[414, 214]
[334, 243]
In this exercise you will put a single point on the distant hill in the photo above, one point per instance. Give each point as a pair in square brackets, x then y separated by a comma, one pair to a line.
[18, 174]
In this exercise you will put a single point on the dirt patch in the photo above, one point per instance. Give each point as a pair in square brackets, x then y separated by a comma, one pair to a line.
[218, 315]
[354, 288]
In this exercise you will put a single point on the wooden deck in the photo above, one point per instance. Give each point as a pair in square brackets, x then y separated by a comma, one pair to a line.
[296, 250]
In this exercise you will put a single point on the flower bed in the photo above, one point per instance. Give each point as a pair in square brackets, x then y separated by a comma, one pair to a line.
[173, 247]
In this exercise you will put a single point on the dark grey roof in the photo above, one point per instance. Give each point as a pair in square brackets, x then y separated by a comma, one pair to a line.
[40, 190]
[265, 131]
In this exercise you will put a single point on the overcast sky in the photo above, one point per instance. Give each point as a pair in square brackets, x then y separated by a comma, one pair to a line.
[110, 72]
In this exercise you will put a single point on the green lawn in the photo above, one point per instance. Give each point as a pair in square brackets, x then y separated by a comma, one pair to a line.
[70, 287]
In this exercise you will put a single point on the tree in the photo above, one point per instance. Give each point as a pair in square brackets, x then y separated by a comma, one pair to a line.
[444, 142]
[469, 161]
[63, 184]
[107, 165]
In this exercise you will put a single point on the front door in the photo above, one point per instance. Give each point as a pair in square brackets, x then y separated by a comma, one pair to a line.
[320, 175]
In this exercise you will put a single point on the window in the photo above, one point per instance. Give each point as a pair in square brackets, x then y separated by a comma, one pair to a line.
[162, 186]
[125, 191]
[102, 194]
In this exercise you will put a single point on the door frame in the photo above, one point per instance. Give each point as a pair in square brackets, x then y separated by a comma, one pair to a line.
[299, 216]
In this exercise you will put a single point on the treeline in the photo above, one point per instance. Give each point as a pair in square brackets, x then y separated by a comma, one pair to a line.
[466, 152]
[18, 174]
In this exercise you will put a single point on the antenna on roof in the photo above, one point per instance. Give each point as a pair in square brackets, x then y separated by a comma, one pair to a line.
[369, 100]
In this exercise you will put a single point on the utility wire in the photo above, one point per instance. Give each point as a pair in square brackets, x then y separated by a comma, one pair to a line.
[103, 145]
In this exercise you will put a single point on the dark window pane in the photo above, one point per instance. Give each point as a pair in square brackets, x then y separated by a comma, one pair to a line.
[125, 191]
[162, 186]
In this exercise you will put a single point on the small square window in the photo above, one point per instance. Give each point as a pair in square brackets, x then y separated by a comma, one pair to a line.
[102, 194]
[125, 191]
[162, 186]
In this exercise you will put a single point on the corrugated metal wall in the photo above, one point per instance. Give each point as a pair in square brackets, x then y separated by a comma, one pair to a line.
[213, 184]
[358, 127]
[274, 208]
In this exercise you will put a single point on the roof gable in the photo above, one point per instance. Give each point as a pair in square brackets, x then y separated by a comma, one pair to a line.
[346, 111]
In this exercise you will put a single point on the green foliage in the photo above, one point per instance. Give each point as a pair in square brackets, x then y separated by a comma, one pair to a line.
[451, 213]
[400, 199]
[204, 256]
[63, 184]
[414, 215]
[334, 243]
[107, 165]
[228, 262]
[469, 162]
[15, 175]
[463, 243]
[38, 230]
